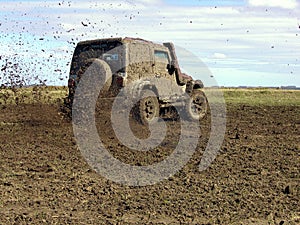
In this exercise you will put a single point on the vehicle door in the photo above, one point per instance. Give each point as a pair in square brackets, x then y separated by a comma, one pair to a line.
[161, 60]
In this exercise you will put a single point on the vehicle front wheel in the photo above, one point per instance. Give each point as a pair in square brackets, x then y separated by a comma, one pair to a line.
[196, 105]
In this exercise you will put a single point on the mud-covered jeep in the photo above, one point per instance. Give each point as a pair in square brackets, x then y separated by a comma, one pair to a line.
[138, 62]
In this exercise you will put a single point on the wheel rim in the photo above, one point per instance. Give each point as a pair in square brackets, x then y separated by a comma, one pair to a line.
[149, 109]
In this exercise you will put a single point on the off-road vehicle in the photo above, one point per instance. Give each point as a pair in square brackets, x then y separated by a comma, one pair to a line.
[139, 62]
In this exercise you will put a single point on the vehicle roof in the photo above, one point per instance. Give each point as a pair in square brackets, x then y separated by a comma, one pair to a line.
[120, 39]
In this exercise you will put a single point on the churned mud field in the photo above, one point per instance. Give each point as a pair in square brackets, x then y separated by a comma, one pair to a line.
[255, 179]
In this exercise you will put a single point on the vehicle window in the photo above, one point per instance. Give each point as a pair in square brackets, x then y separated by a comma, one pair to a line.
[102, 50]
[111, 57]
[161, 56]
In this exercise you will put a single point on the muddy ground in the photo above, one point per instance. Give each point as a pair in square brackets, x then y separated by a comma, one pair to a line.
[255, 179]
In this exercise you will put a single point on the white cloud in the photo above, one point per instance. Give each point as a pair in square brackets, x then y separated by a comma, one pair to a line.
[219, 56]
[151, 2]
[286, 4]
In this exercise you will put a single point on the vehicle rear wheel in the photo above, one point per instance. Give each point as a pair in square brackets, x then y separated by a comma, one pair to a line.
[196, 106]
[147, 107]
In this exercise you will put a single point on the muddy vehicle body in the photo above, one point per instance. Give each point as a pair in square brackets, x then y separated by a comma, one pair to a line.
[144, 65]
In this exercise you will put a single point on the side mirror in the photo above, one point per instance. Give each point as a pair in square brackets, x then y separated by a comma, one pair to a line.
[171, 68]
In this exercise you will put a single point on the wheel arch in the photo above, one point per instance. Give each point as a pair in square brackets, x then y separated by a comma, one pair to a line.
[198, 84]
[151, 87]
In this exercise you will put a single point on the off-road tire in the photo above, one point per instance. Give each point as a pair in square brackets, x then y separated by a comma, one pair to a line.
[96, 63]
[147, 108]
[196, 106]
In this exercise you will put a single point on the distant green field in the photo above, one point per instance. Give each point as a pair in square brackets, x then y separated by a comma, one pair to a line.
[262, 96]
[259, 96]
[29, 95]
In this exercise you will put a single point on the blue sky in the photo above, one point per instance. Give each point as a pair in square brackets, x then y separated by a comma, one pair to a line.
[246, 42]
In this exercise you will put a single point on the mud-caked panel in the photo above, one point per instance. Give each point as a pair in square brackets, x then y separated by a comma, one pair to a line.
[140, 61]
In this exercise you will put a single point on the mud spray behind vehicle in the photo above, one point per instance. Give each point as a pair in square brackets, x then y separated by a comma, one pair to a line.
[145, 65]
